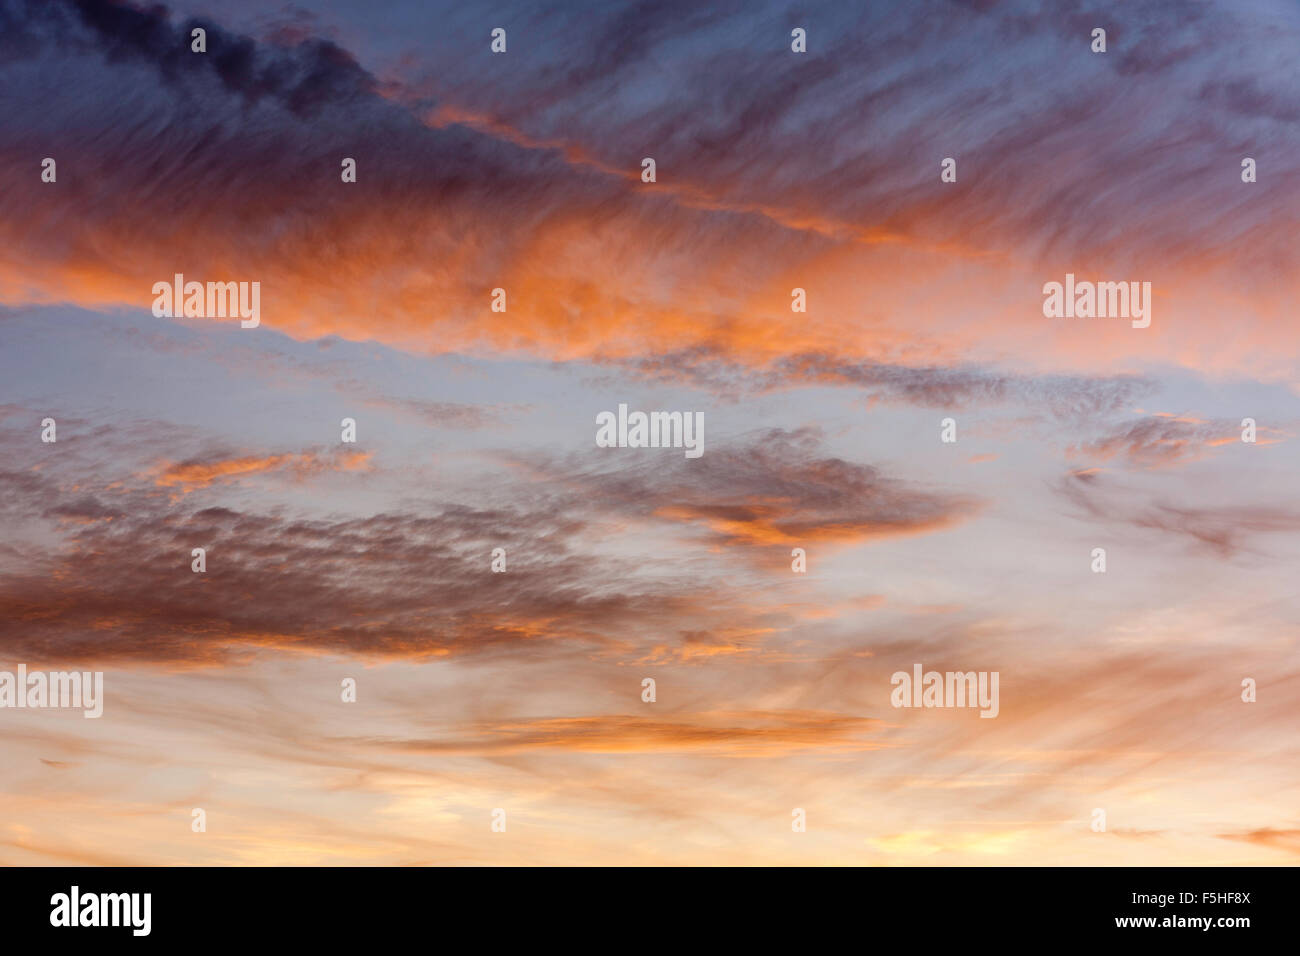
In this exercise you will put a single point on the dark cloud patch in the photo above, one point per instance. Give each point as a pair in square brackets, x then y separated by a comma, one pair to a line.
[231, 158]
[1158, 441]
[1224, 530]
[407, 582]
[1064, 397]
[843, 138]
[772, 488]
[394, 584]
[303, 76]
[1247, 96]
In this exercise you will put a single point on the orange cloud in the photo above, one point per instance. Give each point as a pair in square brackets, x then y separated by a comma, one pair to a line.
[738, 734]
[191, 475]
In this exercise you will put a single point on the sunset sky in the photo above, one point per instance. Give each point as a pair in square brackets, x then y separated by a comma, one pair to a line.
[476, 430]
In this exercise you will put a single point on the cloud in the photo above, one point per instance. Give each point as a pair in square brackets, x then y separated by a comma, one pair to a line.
[936, 386]
[283, 578]
[767, 182]
[1224, 530]
[772, 488]
[190, 474]
[447, 414]
[1158, 441]
[303, 76]
[412, 582]
[1288, 841]
[767, 733]
[776, 171]
[357, 586]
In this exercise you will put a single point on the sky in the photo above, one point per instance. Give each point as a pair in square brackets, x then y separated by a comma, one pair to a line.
[521, 690]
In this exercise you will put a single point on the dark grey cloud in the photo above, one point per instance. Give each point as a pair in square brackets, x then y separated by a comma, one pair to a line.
[1064, 397]
[1061, 151]
[109, 577]
[1156, 441]
[1224, 530]
[770, 488]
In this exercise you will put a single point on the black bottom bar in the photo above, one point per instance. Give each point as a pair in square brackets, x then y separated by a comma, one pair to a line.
[655, 908]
